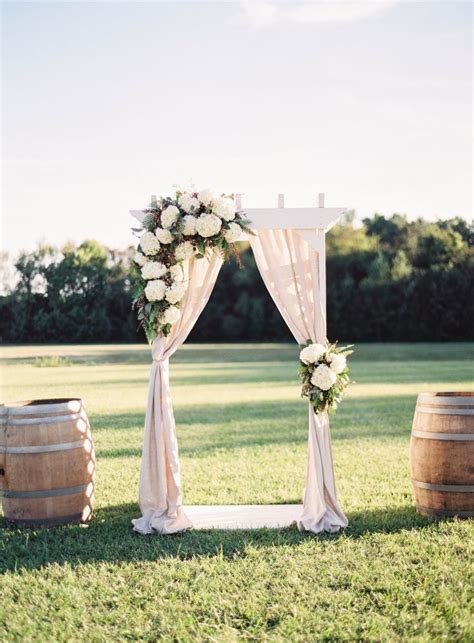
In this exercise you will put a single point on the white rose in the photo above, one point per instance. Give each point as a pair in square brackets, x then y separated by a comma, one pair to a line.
[176, 272]
[338, 363]
[153, 270]
[323, 377]
[208, 225]
[224, 208]
[171, 315]
[312, 353]
[163, 236]
[184, 251]
[233, 233]
[139, 259]
[175, 292]
[155, 290]
[149, 243]
[188, 202]
[189, 227]
[169, 216]
[206, 196]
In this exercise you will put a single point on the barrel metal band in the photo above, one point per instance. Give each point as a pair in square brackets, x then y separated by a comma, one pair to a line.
[463, 488]
[431, 435]
[440, 411]
[444, 512]
[51, 522]
[58, 419]
[46, 493]
[46, 448]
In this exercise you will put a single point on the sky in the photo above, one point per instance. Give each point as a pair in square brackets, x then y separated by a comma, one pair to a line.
[105, 103]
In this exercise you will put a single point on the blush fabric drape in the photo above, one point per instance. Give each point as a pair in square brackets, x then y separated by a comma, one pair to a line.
[289, 268]
[160, 494]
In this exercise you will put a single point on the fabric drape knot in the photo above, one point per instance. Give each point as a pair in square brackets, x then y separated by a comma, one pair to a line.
[158, 349]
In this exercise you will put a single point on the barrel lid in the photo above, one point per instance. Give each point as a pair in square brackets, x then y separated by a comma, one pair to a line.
[449, 398]
[53, 405]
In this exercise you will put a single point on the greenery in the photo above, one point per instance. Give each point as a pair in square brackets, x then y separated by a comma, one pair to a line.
[325, 399]
[391, 576]
[388, 280]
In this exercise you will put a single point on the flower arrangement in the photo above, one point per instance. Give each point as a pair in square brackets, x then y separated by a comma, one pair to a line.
[174, 229]
[324, 374]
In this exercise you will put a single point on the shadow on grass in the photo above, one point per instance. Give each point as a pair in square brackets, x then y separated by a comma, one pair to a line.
[205, 428]
[109, 538]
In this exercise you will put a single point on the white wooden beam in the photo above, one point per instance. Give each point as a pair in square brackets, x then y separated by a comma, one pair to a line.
[294, 218]
[285, 218]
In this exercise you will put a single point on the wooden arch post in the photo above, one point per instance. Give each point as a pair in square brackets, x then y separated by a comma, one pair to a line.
[311, 223]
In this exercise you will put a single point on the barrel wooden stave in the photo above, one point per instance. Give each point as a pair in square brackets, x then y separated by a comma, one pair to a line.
[439, 465]
[51, 510]
[442, 454]
[54, 484]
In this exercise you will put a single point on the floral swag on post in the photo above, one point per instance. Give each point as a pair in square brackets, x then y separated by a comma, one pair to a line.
[324, 374]
[173, 230]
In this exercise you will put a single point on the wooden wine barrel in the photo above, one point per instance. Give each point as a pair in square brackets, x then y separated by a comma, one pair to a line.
[442, 454]
[47, 462]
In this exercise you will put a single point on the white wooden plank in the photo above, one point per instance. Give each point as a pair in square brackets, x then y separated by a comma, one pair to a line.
[294, 218]
[286, 218]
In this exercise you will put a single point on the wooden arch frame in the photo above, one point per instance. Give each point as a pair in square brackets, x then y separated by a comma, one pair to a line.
[311, 223]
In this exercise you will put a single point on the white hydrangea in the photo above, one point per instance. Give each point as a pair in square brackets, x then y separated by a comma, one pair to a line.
[171, 315]
[338, 363]
[208, 225]
[206, 196]
[188, 202]
[155, 290]
[149, 243]
[175, 292]
[153, 270]
[184, 251]
[189, 225]
[312, 353]
[176, 272]
[139, 259]
[323, 377]
[163, 236]
[224, 208]
[233, 233]
[169, 216]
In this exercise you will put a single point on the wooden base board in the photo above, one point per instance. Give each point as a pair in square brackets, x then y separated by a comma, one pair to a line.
[243, 516]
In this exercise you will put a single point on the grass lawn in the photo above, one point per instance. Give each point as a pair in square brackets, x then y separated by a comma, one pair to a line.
[242, 428]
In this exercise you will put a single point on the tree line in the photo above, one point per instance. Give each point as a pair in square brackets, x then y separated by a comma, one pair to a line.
[388, 279]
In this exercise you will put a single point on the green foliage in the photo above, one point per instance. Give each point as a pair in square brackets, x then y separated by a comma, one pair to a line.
[73, 294]
[387, 280]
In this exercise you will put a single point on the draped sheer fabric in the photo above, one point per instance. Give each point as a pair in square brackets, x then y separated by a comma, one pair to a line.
[289, 268]
[160, 494]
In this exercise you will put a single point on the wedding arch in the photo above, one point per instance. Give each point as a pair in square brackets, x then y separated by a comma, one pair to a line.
[289, 249]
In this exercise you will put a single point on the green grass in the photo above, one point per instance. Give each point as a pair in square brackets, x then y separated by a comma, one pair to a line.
[392, 575]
